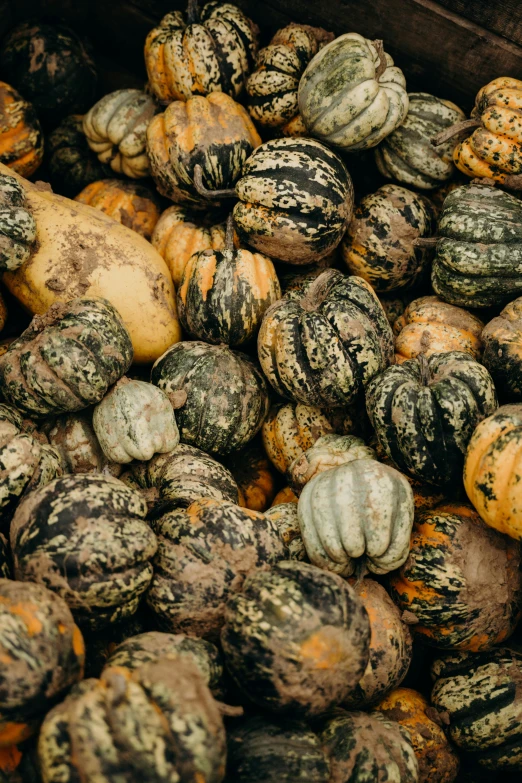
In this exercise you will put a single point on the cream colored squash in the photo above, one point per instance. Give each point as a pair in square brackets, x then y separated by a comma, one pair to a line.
[327, 452]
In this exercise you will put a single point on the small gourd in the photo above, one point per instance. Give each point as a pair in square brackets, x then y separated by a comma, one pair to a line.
[130, 203]
[21, 137]
[17, 225]
[290, 429]
[327, 452]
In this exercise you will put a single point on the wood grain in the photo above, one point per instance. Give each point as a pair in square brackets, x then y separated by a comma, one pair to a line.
[503, 18]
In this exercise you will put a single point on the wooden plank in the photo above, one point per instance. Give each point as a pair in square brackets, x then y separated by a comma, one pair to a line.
[503, 17]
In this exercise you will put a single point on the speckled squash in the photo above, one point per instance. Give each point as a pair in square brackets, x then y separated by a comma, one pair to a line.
[290, 429]
[428, 325]
[407, 154]
[479, 253]
[295, 200]
[42, 654]
[272, 87]
[379, 242]
[360, 509]
[260, 749]
[296, 639]
[135, 420]
[494, 149]
[390, 646]
[5, 558]
[50, 66]
[425, 496]
[327, 452]
[362, 747]
[438, 762]
[284, 516]
[394, 306]
[493, 468]
[21, 138]
[212, 50]
[478, 697]
[159, 722]
[227, 398]
[17, 225]
[213, 132]
[351, 95]
[85, 538]
[324, 348]
[131, 204]
[116, 130]
[285, 495]
[461, 581]
[255, 478]
[424, 412]
[502, 338]
[66, 359]
[71, 163]
[75, 439]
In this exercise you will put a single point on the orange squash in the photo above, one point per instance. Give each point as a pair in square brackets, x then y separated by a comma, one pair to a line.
[131, 204]
[21, 139]
[285, 495]
[254, 477]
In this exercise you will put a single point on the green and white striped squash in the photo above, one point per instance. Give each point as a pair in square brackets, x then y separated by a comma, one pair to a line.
[328, 451]
[323, 348]
[360, 509]
[407, 154]
[135, 420]
[352, 95]
[17, 225]
[478, 258]
[295, 200]
[424, 412]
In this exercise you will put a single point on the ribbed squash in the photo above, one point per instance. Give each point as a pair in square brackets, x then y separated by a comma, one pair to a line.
[211, 50]
[42, 654]
[116, 130]
[284, 516]
[290, 429]
[351, 95]
[478, 697]
[438, 762]
[272, 87]
[50, 66]
[66, 359]
[5, 558]
[159, 722]
[204, 554]
[379, 242]
[296, 640]
[285, 495]
[461, 581]
[325, 347]
[255, 478]
[85, 538]
[71, 163]
[502, 338]
[407, 154]
[394, 307]
[74, 437]
[17, 227]
[479, 251]
[428, 326]
[295, 200]
[213, 132]
[328, 451]
[424, 412]
[132, 205]
[227, 398]
[360, 509]
[21, 138]
[492, 470]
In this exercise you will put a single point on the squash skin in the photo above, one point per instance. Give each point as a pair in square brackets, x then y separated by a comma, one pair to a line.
[306, 656]
[130, 203]
[99, 562]
[328, 451]
[214, 54]
[255, 479]
[73, 436]
[461, 581]
[360, 508]
[45, 651]
[502, 339]
[96, 731]
[290, 429]
[438, 762]
[214, 132]
[285, 495]
[342, 99]
[17, 226]
[82, 252]
[378, 244]
[204, 554]
[295, 200]
[324, 348]
[407, 154]
[479, 698]
[227, 398]
[424, 422]
[72, 164]
[5, 558]
[284, 516]
[21, 138]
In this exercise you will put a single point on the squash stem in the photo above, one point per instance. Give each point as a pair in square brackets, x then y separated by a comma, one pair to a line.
[229, 235]
[192, 12]
[424, 242]
[210, 194]
[512, 182]
[379, 46]
[317, 291]
[424, 369]
[454, 130]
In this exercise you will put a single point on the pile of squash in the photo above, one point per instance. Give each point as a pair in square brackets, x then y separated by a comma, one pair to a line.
[260, 423]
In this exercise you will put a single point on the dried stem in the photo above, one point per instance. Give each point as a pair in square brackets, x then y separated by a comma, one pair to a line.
[424, 369]
[317, 291]
[454, 130]
[210, 194]
[379, 47]
[229, 235]
[192, 11]
[424, 242]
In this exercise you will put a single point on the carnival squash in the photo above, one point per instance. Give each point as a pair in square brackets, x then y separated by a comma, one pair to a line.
[502, 338]
[21, 138]
[17, 227]
[328, 451]
[74, 437]
[131, 204]
[290, 429]
[71, 163]
[284, 516]
[255, 478]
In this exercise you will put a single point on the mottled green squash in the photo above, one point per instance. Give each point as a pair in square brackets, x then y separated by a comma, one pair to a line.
[424, 412]
[85, 538]
[296, 640]
[502, 338]
[407, 154]
[323, 349]
[5, 558]
[72, 164]
[327, 452]
[204, 554]
[17, 225]
[284, 516]
[226, 395]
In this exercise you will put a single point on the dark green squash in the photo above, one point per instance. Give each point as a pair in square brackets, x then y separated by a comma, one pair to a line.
[424, 412]
[5, 558]
[502, 338]
[72, 164]
[85, 538]
[17, 225]
[296, 640]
